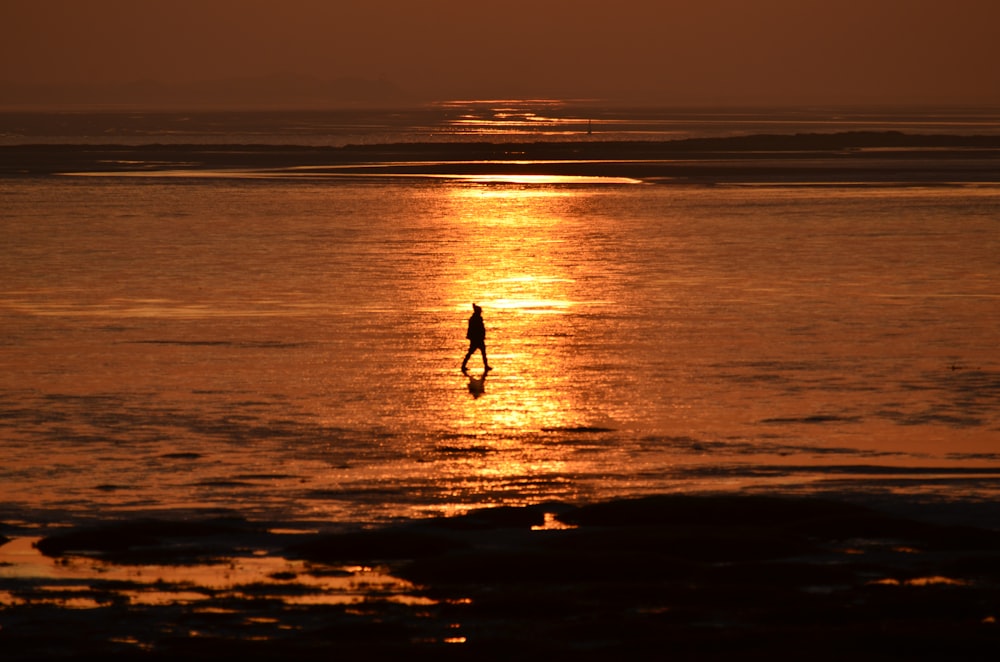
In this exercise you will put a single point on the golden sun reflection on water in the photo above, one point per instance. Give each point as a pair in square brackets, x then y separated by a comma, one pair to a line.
[509, 256]
[511, 237]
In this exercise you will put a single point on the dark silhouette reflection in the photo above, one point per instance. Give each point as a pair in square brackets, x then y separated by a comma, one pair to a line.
[477, 385]
[476, 335]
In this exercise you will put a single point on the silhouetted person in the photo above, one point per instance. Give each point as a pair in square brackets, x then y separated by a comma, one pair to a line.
[477, 337]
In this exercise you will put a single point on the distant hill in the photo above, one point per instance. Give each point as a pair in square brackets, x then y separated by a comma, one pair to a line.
[259, 92]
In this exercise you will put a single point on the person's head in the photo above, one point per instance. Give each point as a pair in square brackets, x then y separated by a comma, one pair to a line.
[476, 309]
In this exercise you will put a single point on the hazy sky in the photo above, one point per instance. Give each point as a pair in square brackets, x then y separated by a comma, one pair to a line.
[678, 51]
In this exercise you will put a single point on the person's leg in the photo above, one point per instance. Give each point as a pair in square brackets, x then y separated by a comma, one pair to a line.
[472, 348]
[482, 348]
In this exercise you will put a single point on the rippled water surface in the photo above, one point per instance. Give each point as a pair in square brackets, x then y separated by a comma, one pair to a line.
[292, 348]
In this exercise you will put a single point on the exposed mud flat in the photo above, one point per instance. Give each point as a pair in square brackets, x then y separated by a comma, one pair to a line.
[706, 577]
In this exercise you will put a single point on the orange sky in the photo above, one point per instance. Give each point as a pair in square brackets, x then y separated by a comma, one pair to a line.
[673, 51]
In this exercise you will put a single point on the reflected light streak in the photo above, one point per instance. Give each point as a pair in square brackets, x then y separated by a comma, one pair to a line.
[544, 179]
[359, 171]
[516, 238]
[535, 306]
[154, 584]
[508, 239]
[484, 117]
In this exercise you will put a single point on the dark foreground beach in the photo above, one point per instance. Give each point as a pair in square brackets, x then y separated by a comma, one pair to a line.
[707, 577]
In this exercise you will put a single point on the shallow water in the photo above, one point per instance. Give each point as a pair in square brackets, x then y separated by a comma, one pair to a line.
[290, 349]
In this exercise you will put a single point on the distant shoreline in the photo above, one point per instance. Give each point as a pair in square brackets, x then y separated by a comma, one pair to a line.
[875, 156]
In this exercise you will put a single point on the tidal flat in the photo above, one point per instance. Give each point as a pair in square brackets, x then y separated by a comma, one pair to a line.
[703, 577]
[745, 400]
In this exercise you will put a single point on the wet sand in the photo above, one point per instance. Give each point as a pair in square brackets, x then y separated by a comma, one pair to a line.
[708, 577]
[851, 157]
